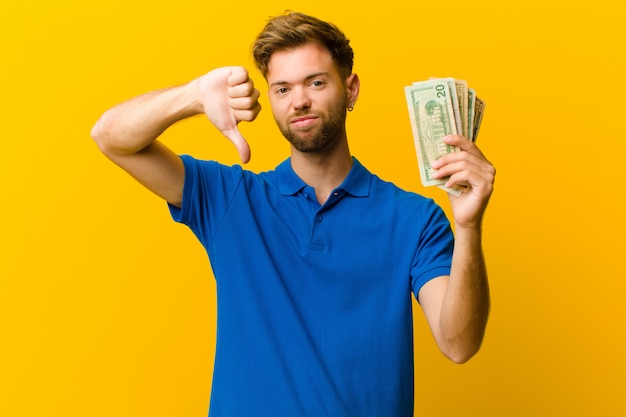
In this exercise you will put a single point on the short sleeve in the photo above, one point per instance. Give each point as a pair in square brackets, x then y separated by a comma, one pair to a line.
[208, 189]
[433, 257]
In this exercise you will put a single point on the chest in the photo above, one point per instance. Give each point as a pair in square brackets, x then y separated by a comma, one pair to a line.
[352, 242]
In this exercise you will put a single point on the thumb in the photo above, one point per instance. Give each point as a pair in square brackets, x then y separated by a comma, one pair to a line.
[240, 143]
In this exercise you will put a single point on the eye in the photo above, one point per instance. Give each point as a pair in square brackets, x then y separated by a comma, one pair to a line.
[281, 90]
[317, 83]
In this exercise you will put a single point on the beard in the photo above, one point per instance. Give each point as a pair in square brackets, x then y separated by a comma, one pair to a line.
[323, 137]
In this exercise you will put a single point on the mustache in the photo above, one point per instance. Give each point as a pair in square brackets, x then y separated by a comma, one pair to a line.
[301, 114]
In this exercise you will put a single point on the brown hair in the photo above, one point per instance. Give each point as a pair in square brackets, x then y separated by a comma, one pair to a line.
[292, 30]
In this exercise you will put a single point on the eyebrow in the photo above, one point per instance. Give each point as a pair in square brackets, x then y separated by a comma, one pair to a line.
[307, 78]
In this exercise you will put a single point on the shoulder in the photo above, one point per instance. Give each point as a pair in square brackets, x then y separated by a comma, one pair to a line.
[389, 191]
[193, 163]
[212, 171]
[408, 208]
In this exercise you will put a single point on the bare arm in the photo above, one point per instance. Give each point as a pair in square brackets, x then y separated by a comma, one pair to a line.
[457, 307]
[127, 134]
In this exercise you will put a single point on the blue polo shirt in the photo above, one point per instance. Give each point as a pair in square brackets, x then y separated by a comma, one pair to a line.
[314, 301]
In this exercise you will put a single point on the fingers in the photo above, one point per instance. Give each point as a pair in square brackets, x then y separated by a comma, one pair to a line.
[469, 152]
[238, 75]
[243, 97]
[240, 85]
[466, 167]
[462, 143]
[480, 180]
[229, 97]
[245, 105]
[243, 102]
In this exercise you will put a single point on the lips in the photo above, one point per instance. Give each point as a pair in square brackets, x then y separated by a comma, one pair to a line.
[303, 121]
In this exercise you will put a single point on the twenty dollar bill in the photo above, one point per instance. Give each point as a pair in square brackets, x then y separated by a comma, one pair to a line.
[440, 107]
[432, 118]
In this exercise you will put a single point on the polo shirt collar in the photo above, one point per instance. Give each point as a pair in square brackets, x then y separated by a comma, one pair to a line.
[357, 183]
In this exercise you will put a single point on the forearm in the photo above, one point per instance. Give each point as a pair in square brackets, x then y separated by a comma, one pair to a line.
[133, 125]
[466, 304]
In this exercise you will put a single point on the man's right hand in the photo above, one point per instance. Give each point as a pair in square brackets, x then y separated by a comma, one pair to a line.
[227, 96]
[127, 133]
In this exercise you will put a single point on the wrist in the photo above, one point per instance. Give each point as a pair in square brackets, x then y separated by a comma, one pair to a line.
[471, 231]
[190, 94]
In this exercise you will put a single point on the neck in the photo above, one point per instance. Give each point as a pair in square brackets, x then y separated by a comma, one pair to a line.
[322, 171]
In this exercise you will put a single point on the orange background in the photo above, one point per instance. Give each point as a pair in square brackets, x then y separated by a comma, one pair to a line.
[107, 306]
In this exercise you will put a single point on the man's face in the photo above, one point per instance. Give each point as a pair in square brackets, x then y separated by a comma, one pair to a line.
[308, 98]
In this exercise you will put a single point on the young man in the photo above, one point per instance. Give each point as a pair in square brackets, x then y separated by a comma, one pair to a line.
[316, 260]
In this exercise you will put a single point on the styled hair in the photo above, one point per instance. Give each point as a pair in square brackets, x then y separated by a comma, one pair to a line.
[293, 30]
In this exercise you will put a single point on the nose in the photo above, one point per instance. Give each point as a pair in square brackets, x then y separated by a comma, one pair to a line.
[301, 99]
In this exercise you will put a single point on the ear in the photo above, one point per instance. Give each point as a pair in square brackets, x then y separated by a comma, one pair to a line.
[354, 85]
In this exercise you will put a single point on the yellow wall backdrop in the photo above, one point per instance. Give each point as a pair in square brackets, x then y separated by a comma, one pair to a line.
[107, 306]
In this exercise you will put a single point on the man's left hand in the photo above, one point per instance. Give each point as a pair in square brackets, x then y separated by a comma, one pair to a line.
[467, 167]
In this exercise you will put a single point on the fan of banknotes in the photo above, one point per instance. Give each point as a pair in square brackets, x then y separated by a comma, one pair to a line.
[440, 107]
